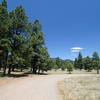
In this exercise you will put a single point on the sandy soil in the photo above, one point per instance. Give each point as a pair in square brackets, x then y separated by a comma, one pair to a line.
[32, 88]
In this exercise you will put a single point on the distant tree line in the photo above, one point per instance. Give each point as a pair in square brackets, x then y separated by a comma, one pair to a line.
[88, 63]
[61, 64]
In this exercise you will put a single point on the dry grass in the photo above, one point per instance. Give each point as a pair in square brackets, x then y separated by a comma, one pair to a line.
[80, 88]
[74, 72]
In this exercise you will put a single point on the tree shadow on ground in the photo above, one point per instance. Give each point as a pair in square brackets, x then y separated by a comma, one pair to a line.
[13, 75]
[17, 75]
[36, 73]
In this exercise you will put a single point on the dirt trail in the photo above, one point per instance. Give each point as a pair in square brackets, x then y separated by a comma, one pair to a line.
[30, 88]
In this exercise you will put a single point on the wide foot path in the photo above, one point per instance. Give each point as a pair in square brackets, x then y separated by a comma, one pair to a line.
[33, 88]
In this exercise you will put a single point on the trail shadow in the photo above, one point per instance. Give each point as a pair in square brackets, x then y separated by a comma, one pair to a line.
[27, 73]
[13, 75]
[43, 74]
[17, 75]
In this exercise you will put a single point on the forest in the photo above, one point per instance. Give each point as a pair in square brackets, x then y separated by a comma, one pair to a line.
[22, 46]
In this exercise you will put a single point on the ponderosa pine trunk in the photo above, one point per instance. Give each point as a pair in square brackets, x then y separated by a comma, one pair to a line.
[5, 65]
[9, 71]
[13, 69]
[34, 71]
[21, 70]
[97, 71]
[4, 70]
[38, 71]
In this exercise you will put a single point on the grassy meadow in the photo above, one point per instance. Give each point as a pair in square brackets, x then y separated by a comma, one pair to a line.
[74, 72]
[80, 88]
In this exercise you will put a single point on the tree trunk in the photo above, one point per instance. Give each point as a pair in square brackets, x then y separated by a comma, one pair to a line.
[42, 71]
[69, 72]
[21, 70]
[34, 71]
[38, 71]
[13, 69]
[9, 71]
[97, 71]
[0, 64]
[5, 65]
[89, 70]
[4, 70]
[31, 70]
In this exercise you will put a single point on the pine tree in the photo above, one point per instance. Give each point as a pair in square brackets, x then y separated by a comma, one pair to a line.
[80, 62]
[96, 61]
[70, 67]
[18, 36]
[37, 39]
[76, 63]
[88, 64]
[5, 44]
[58, 62]
[4, 3]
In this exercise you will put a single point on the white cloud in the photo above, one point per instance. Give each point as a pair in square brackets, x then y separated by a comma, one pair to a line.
[76, 49]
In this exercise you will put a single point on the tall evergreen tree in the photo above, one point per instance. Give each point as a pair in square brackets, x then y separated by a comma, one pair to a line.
[96, 61]
[88, 64]
[76, 63]
[5, 44]
[4, 3]
[80, 62]
[70, 67]
[58, 62]
[37, 37]
[18, 33]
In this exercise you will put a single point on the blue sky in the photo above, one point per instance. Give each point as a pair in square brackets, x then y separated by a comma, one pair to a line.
[66, 23]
